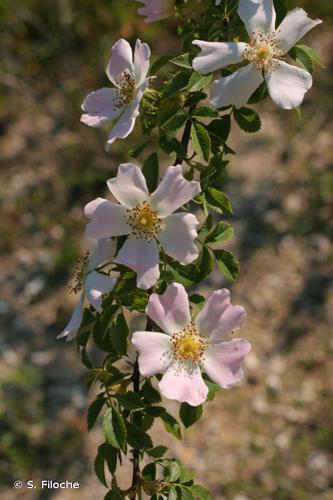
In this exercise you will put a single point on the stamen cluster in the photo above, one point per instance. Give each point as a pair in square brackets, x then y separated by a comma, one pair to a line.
[262, 51]
[144, 221]
[80, 267]
[189, 345]
[126, 89]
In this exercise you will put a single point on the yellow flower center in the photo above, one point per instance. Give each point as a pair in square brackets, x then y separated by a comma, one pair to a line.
[262, 51]
[144, 221]
[126, 89]
[189, 345]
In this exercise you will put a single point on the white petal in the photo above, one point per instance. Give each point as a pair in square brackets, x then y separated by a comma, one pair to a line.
[129, 187]
[75, 322]
[222, 362]
[155, 352]
[101, 107]
[183, 382]
[143, 258]
[104, 250]
[171, 310]
[141, 61]
[108, 219]
[293, 27]
[95, 285]
[215, 55]
[121, 60]
[177, 237]
[173, 191]
[257, 15]
[287, 85]
[236, 88]
[126, 122]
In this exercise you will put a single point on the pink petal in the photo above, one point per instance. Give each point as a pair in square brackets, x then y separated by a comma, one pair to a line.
[155, 10]
[173, 191]
[288, 84]
[155, 352]
[184, 383]
[216, 55]
[126, 122]
[177, 237]
[95, 286]
[75, 322]
[257, 15]
[101, 107]
[129, 187]
[219, 317]
[141, 61]
[121, 60]
[142, 257]
[170, 311]
[222, 362]
[236, 88]
[293, 27]
[108, 219]
[104, 250]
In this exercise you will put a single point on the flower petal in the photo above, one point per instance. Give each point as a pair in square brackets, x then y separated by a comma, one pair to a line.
[101, 107]
[126, 122]
[293, 27]
[142, 257]
[171, 310]
[177, 237]
[154, 352]
[236, 88]
[215, 55]
[222, 362]
[155, 10]
[104, 250]
[184, 383]
[257, 15]
[108, 219]
[121, 60]
[74, 323]
[129, 186]
[95, 285]
[219, 317]
[141, 61]
[173, 191]
[287, 85]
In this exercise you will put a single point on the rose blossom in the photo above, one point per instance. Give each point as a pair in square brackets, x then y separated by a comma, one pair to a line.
[185, 346]
[147, 219]
[154, 10]
[265, 53]
[92, 283]
[121, 103]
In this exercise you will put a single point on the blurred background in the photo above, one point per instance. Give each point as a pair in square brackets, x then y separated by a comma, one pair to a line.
[272, 438]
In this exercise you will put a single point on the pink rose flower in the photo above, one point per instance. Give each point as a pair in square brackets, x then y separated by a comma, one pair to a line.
[154, 10]
[121, 103]
[186, 347]
[148, 219]
[92, 283]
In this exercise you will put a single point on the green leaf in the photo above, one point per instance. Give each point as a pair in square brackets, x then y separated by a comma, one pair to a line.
[137, 438]
[197, 299]
[171, 425]
[157, 452]
[200, 493]
[190, 414]
[119, 334]
[186, 475]
[305, 57]
[247, 119]
[172, 146]
[205, 111]
[219, 130]
[136, 152]
[311, 53]
[194, 98]
[149, 472]
[93, 411]
[218, 201]
[85, 358]
[227, 264]
[221, 232]
[114, 428]
[171, 471]
[198, 81]
[201, 141]
[177, 83]
[172, 494]
[110, 456]
[183, 61]
[186, 493]
[259, 94]
[150, 394]
[158, 64]
[99, 467]
[174, 124]
[130, 401]
[150, 171]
